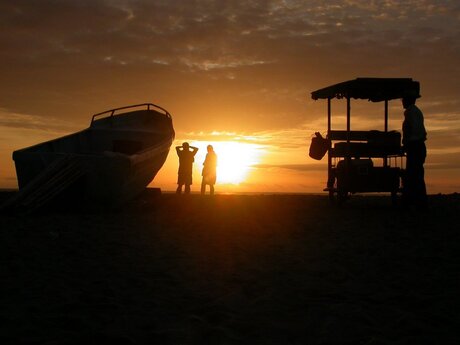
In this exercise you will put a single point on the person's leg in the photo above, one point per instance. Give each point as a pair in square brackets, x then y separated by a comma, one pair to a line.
[419, 176]
[187, 189]
[203, 187]
[179, 188]
[411, 175]
[211, 189]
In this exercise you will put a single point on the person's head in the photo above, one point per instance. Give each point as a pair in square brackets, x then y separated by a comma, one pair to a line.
[407, 101]
[210, 148]
[185, 145]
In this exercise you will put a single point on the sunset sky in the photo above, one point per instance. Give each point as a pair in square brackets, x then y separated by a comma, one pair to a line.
[237, 74]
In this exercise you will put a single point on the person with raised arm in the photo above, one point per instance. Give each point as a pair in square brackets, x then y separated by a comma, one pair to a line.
[186, 155]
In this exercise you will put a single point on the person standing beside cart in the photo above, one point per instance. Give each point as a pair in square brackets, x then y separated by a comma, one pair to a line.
[414, 136]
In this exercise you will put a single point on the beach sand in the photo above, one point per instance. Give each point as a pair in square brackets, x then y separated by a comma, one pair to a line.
[268, 269]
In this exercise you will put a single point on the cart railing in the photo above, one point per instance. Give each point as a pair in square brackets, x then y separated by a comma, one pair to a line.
[364, 143]
[372, 135]
[351, 135]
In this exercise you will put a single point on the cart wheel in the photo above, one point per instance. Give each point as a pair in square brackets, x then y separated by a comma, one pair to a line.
[394, 198]
[331, 197]
[341, 197]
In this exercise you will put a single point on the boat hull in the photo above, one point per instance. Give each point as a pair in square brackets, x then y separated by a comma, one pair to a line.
[107, 164]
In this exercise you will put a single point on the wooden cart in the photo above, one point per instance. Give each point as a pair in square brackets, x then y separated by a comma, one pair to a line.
[352, 155]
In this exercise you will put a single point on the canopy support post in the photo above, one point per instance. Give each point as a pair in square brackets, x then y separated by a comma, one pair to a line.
[348, 119]
[330, 178]
[386, 115]
[385, 159]
[348, 129]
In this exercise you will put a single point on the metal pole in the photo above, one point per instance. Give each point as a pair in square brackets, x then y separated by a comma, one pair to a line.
[330, 184]
[348, 119]
[386, 115]
[385, 159]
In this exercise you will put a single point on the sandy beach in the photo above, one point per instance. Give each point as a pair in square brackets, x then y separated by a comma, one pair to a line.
[267, 269]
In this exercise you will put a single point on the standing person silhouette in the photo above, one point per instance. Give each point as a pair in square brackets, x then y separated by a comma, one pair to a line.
[209, 171]
[186, 159]
[414, 136]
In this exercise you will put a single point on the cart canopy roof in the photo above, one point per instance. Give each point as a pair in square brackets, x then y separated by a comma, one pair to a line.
[373, 89]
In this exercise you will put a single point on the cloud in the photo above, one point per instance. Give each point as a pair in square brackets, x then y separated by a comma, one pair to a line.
[443, 166]
[224, 63]
[443, 160]
[242, 67]
[206, 30]
[286, 138]
[25, 121]
[296, 167]
[444, 139]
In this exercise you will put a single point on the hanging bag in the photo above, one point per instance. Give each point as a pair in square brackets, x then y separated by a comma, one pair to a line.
[319, 146]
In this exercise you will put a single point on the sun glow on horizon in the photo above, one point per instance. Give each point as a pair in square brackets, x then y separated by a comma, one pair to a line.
[234, 159]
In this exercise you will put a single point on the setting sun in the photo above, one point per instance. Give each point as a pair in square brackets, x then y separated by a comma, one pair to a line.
[234, 159]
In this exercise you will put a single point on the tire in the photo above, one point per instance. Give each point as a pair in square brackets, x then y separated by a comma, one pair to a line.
[342, 196]
[331, 197]
[394, 198]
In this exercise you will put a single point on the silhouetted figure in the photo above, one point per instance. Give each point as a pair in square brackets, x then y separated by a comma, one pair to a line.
[186, 159]
[209, 171]
[414, 136]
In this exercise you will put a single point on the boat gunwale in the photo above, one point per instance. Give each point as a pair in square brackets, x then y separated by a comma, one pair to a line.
[112, 111]
[98, 129]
